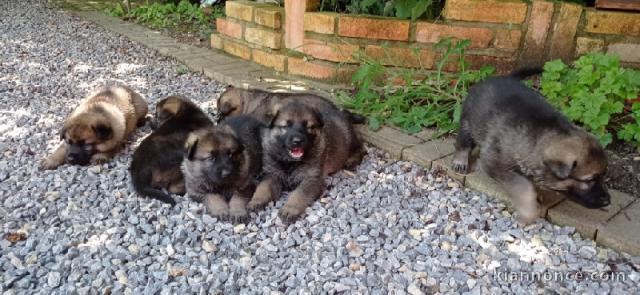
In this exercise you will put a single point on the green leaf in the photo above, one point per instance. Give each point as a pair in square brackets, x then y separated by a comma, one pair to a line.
[420, 8]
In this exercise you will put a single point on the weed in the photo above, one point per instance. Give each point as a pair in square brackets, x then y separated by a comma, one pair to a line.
[162, 15]
[413, 99]
[596, 93]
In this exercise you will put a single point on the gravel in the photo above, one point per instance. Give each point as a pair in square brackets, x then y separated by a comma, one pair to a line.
[391, 226]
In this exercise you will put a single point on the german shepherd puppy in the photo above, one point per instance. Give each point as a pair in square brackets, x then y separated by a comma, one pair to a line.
[261, 104]
[524, 142]
[301, 147]
[98, 128]
[222, 165]
[156, 162]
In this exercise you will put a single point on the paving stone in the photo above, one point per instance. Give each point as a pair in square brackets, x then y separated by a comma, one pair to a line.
[623, 231]
[444, 164]
[586, 221]
[480, 181]
[425, 153]
[388, 139]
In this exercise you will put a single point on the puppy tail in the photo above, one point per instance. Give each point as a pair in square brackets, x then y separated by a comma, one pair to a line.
[526, 72]
[354, 118]
[141, 180]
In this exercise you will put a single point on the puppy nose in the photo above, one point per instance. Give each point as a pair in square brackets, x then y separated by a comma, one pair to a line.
[296, 140]
[225, 173]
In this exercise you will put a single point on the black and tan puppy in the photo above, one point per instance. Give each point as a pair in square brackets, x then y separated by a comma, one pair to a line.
[98, 128]
[301, 147]
[222, 164]
[260, 104]
[156, 162]
[526, 143]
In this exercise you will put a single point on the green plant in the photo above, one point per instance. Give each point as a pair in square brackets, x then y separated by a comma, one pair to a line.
[413, 99]
[596, 93]
[412, 9]
[169, 14]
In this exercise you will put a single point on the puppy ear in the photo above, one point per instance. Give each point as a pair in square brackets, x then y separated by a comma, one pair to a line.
[560, 169]
[319, 118]
[103, 132]
[190, 146]
[63, 133]
[271, 118]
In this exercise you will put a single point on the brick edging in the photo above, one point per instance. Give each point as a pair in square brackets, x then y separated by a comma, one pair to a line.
[617, 228]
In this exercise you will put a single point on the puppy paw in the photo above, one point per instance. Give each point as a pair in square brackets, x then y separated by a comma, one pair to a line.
[460, 168]
[238, 215]
[290, 213]
[47, 164]
[255, 205]
[99, 159]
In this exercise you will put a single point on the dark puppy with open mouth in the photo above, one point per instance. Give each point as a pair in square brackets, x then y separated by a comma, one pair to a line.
[526, 143]
[155, 166]
[222, 166]
[260, 104]
[301, 147]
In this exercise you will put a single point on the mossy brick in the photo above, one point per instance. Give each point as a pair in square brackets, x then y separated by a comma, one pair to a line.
[614, 23]
[586, 45]
[535, 39]
[269, 16]
[331, 51]
[586, 221]
[320, 22]
[270, 59]
[561, 43]
[507, 39]
[236, 48]
[242, 10]
[402, 56]
[311, 69]
[628, 52]
[263, 37]
[390, 140]
[216, 41]
[491, 11]
[373, 28]
[229, 28]
[622, 232]
[432, 33]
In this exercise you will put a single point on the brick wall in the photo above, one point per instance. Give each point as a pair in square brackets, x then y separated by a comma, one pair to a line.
[503, 33]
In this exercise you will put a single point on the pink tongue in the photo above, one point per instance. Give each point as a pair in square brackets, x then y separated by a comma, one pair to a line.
[297, 152]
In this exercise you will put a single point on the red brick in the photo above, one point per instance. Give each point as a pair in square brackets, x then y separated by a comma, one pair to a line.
[237, 49]
[492, 11]
[561, 44]
[239, 9]
[432, 33]
[229, 28]
[373, 28]
[263, 37]
[618, 23]
[269, 59]
[507, 39]
[301, 67]
[402, 56]
[502, 64]
[320, 22]
[216, 41]
[533, 53]
[330, 51]
[269, 16]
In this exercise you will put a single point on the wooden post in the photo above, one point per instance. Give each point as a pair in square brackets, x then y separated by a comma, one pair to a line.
[294, 21]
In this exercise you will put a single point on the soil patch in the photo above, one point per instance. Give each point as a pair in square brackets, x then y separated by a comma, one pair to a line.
[624, 168]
